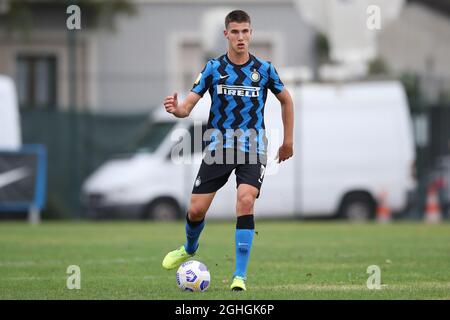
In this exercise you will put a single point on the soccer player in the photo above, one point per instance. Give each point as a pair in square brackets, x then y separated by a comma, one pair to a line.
[238, 83]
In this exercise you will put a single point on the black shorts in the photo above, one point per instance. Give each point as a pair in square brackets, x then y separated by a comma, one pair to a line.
[213, 176]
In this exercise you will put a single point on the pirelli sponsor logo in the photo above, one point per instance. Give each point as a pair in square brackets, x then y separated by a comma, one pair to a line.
[240, 91]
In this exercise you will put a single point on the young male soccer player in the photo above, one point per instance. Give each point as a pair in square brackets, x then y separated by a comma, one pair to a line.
[237, 82]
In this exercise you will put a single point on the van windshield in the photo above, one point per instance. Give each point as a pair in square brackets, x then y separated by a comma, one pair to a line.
[152, 137]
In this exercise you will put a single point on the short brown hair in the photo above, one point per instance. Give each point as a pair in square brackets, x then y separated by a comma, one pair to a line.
[238, 16]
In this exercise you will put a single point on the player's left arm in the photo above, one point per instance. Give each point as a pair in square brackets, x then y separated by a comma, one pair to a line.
[287, 114]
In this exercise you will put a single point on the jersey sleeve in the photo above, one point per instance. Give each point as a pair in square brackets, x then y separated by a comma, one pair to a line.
[275, 83]
[204, 80]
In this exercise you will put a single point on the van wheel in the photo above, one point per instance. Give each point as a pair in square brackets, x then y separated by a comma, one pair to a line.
[162, 209]
[357, 207]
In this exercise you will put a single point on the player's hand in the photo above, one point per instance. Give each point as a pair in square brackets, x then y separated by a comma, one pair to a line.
[171, 103]
[285, 152]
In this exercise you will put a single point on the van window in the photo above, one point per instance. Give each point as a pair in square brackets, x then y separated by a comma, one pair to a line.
[154, 134]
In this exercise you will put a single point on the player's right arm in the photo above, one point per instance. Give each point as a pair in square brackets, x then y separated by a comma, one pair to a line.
[181, 109]
[201, 85]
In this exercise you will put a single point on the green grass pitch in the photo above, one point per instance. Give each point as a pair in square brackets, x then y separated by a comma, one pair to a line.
[289, 260]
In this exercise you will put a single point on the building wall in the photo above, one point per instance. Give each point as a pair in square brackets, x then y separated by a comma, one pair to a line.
[419, 41]
[131, 68]
[138, 65]
[50, 37]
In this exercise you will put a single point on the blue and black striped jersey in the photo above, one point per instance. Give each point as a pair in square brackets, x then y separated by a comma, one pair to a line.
[238, 95]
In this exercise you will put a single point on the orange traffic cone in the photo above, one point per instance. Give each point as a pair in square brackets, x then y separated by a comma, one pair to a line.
[383, 211]
[433, 213]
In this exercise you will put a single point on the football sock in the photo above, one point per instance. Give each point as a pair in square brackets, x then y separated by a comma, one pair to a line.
[193, 230]
[245, 229]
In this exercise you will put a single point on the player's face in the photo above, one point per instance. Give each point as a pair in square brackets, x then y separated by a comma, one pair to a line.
[238, 35]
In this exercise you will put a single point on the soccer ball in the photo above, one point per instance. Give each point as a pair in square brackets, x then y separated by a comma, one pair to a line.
[193, 276]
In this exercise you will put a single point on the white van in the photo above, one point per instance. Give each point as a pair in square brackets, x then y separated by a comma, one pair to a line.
[10, 133]
[353, 141]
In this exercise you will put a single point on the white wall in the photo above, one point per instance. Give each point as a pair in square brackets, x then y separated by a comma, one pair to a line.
[419, 41]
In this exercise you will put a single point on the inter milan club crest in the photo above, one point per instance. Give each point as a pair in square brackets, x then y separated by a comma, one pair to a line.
[255, 76]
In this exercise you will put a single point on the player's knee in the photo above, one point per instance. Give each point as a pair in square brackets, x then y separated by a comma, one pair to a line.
[246, 202]
[196, 213]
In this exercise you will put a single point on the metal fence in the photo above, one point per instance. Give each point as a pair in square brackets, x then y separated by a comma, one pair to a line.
[78, 143]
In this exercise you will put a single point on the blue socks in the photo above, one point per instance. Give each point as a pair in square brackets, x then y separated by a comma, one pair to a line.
[193, 230]
[245, 229]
